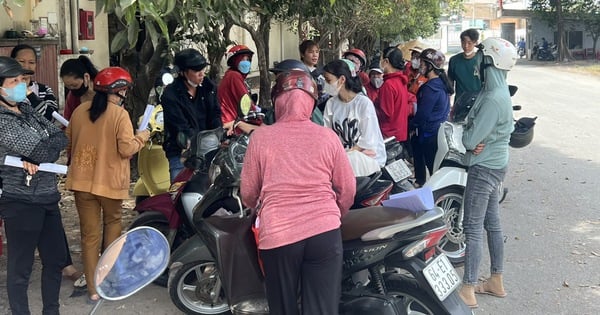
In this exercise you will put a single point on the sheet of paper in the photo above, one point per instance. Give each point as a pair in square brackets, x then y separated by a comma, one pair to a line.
[415, 200]
[60, 119]
[44, 167]
[146, 118]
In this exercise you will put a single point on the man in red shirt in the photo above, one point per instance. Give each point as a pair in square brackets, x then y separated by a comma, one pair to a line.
[392, 105]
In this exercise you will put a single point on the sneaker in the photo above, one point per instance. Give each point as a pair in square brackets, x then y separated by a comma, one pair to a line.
[80, 283]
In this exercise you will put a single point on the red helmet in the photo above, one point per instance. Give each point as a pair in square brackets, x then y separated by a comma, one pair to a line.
[236, 51]
[294, 79]
[358, 53]
[112, 80]
[433, 57]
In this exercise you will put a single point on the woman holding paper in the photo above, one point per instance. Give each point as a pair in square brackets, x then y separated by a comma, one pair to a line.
[101, 144]
[29, 199]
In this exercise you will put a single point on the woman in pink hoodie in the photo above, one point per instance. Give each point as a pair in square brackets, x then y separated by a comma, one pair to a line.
[298, 177]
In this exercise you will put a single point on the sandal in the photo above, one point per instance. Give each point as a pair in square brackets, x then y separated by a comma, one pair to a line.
[484, 287]
[80, 282]
[93, 299]
[74, 276]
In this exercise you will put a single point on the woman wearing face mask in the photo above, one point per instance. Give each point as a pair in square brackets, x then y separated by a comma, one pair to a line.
[78, 76]
[375, 82]
[101, 143]
[434, 105]
[29, 199]
[352, 116]
[233, 87]
[190, 105]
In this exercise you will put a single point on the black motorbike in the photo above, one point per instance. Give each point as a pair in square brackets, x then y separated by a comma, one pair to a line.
[390, 261]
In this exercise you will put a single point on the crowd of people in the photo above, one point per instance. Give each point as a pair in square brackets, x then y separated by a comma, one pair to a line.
[349, 107]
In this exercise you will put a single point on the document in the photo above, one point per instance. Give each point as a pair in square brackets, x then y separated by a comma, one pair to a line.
[44, 167]
[415, 200]
[60, 119]
[146, 118]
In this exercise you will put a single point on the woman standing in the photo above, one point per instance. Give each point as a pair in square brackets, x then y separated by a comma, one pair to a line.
[352, 116]
[301, 189]
[433, 99]
[29, 200]
[101, 144]
[78, 75]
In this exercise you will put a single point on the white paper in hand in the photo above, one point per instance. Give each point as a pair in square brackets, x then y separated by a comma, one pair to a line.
[415, 200]
[62, 120]
[146, 118]
[10, 160]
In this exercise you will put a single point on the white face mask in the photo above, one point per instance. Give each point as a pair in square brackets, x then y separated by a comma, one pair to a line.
[415, 63]
[332, 88]
[469, 53]
[377, 82]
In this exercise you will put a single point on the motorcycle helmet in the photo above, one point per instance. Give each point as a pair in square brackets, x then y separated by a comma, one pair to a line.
[358, 53]
[294, 79]
[112, 80]
[189, 59]
[10, 68]
[502, 52]
[236, 51]
[433, 57]
[289, 64]
[523, 133]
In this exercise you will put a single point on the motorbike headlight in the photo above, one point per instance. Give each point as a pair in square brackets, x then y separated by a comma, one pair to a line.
[213, 172]
[159, 120]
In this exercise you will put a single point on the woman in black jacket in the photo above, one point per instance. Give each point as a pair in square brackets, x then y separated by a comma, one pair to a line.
[29, 200]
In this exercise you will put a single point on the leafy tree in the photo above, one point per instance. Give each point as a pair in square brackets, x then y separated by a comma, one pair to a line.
[588, 12]
[553, 12]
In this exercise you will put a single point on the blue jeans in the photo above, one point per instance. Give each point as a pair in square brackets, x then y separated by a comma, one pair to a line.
[175, 166]
[482, 212]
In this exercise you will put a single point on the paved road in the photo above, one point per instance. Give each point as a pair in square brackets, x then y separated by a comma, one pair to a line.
[551, 216]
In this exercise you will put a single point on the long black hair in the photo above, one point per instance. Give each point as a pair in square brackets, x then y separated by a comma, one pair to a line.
[394, 55]
[99, 105]
[77, 67]
[340, 68]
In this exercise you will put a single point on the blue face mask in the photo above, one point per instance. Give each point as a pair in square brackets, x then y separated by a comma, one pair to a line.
[17, 93]
[244, 66]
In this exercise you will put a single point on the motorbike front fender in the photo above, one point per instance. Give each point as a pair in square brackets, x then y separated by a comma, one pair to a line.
[446, 177]
[192, 249]
[139, 189]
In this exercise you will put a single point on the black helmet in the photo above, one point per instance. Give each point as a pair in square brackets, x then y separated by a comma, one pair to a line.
[289, 64]
[190, 59]
[523, 133]
[10, 68]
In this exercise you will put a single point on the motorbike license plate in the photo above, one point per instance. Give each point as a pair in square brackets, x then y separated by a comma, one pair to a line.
[398, 170]
[441, 276]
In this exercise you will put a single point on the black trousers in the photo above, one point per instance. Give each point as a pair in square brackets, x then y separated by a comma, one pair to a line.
[424, 150]
[31, 226]
[314, 265]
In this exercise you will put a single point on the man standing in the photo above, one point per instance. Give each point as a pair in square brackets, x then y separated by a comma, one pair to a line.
[463, 72]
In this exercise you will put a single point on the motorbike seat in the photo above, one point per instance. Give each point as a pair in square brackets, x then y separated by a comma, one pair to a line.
[363, 182]
[380, 222]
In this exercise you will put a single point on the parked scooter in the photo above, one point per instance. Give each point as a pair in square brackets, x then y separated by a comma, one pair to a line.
[395, 168]
[153, 166]
[390, 265]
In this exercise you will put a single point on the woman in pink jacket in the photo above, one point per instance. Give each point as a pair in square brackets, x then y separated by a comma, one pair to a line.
[301, 188]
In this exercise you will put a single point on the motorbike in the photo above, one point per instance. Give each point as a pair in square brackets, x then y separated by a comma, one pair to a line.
[153, 166]
[390, 265]
[395, 168]
[129, 264]
[548, 54]
[448, 182]
[521, 52]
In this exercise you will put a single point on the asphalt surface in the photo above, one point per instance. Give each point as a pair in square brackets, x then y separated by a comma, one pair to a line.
[551, 216]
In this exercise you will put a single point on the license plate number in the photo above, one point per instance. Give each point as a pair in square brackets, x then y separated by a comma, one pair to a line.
[441, 276]
[398, 170]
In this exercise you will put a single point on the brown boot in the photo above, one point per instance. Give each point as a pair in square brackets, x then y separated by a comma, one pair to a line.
[467, 294]
[492, 286]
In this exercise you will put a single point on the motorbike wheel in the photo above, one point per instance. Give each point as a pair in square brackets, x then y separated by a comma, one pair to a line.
[158, 221]
[415, 299]
[453, 244]
[193, 288]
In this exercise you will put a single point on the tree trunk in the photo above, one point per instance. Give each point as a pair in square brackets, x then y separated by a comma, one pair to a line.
[563, 50]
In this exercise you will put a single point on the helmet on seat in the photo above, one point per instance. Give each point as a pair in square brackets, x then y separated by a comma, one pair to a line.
[433, 57]
[189, 59]
[523, 133]
[112, 80]
[289, 64]
[236, 51]
[502, 52]
[294, 79]
[358, 53]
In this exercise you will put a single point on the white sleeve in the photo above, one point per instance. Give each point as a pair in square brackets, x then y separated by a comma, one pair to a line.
[371, 137]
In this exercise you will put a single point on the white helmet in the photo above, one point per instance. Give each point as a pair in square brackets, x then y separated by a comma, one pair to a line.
[503, 52]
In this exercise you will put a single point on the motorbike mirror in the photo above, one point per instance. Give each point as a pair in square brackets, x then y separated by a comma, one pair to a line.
[245, 104]
[512, 89]
[516, 107]
[167, 78]
[130, 263]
